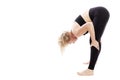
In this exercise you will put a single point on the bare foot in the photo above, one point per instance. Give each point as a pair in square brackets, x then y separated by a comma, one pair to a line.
[86, 62]
[87, 72]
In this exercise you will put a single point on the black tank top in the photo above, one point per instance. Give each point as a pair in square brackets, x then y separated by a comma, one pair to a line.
[80, 21]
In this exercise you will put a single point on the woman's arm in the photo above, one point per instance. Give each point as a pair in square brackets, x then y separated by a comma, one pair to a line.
[80, 30]
[90, 28]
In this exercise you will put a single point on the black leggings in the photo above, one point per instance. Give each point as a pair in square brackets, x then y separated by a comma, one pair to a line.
[99, 17]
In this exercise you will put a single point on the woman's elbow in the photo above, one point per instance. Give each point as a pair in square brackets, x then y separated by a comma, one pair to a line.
[89, 26]
[89, 23]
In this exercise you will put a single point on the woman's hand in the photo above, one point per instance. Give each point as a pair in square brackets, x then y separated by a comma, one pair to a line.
[95, 44]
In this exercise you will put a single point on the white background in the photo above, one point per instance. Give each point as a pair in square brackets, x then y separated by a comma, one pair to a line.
[29, 30]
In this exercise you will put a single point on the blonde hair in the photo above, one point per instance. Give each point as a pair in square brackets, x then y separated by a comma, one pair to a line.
[64, 40]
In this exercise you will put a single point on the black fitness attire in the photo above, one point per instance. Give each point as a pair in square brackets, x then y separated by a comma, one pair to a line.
[99, 17]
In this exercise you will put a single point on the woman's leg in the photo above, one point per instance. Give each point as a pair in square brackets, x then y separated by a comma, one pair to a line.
[93, 59]
[94, 56]
[99, 26]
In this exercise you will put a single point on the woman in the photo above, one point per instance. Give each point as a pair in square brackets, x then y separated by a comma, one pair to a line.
[93, 22]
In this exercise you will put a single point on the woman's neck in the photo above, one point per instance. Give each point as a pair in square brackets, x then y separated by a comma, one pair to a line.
[72, 35]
